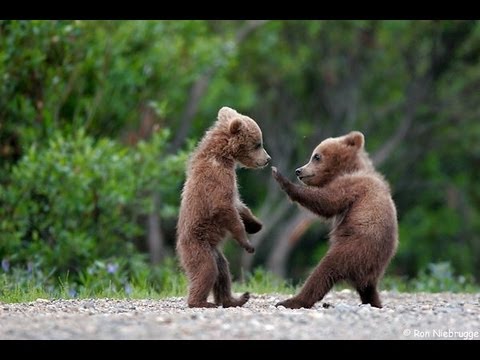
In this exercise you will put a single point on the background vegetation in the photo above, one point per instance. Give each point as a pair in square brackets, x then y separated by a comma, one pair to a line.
[97, 119]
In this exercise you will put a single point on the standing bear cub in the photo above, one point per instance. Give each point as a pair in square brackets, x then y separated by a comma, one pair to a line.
[211, 206]
[341, 184]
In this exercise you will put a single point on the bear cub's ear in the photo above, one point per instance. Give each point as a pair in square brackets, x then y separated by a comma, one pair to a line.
[226, 113]
[235, 126]
[355, 139]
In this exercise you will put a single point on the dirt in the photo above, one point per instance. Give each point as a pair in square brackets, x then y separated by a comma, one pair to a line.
[338, 316]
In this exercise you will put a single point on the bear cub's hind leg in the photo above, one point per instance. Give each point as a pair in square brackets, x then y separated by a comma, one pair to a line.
[222, 289]
[202, 278]
[369, 295]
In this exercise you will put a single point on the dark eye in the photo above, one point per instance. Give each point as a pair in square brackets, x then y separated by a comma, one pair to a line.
[316, 157]
[257, 146]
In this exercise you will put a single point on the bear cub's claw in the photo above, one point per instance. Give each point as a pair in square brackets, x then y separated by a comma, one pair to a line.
[250, 249]
[282, 180]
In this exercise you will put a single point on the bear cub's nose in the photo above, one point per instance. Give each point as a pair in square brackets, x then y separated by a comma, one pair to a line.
[298, 171]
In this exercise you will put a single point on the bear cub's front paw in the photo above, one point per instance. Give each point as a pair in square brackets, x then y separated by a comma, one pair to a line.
[282, 180]
[249, 247]
[252, 227]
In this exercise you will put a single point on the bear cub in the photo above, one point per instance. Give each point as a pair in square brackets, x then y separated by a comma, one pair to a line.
[211, 207]
[340, 183]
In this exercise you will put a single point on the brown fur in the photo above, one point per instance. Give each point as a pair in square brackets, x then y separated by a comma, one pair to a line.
[211, 206]
[341, 184]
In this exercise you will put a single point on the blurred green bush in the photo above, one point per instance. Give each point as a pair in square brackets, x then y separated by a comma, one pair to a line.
[78, 200]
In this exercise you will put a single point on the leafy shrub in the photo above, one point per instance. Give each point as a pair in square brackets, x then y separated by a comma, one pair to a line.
[77, 201]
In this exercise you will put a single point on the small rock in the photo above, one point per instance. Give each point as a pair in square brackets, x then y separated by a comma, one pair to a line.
[365, 309]
[470, 307]
[255, 323]
[89, 305]
[344, 308]
[317, 314]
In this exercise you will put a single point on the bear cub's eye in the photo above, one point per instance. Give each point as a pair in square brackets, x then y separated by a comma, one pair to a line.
[257, 146]
[316, 157]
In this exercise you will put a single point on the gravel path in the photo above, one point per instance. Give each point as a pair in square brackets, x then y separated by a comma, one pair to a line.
[338, 316]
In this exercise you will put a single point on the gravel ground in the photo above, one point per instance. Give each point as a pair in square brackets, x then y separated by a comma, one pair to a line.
[338, 316]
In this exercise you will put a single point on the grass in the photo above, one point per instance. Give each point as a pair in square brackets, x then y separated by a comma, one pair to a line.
[173, 284]
[118, 280]
[168, 281]
[31, 290]
[437, 277]
[264, 282]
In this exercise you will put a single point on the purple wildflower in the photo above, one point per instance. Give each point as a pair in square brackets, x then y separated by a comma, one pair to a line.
[128, 289]
[5, 265]
[112, 268]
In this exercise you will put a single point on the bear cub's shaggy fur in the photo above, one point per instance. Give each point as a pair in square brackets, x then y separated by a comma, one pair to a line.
[340, 183]
[211, 206]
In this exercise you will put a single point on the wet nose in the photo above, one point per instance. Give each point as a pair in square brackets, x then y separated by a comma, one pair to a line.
[298, 171]
[268, 159]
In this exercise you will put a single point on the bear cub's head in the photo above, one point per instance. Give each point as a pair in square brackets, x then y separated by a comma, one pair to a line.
[334, 157]
[245, 143]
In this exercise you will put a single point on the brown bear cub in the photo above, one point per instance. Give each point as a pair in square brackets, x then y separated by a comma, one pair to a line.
[211, 206]
[341, 184]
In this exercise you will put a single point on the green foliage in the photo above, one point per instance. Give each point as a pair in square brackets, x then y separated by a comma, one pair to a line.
[136, 280]
[132, 278]
[262, 281]
[78, 200]
[95, 74]
[125, 278]
[76, 97]
[440, 277]
[435, 277]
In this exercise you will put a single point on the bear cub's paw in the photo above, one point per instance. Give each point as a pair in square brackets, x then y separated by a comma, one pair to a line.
[293, 303]
[236, 302]
[282, 180]
[202, 304]
[252, 227]
[249, 247]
